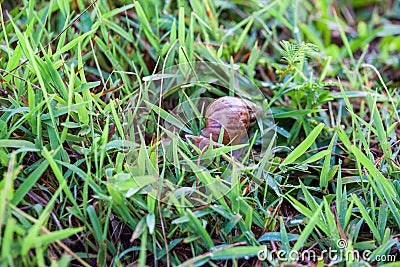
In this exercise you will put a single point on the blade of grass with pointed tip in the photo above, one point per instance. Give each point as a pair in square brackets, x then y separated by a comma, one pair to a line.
[308, 229]
[300, 149]
[29, 182]
[309, 213]
[326, 167]
[30, 240]
[52, 237]
[238, 252]
[169, 117]
[366, 217]
[199, 229]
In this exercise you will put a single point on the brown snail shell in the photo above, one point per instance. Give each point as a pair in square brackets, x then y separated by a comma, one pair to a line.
[232, 114]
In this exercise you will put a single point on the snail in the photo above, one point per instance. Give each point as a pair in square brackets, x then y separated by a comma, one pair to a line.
[232, 115]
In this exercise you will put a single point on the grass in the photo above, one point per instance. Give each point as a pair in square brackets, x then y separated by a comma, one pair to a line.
[93, 173]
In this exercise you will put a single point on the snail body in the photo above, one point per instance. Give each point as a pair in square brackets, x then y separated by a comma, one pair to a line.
[232, 115]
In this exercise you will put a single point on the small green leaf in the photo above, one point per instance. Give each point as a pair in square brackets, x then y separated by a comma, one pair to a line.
[299, 150]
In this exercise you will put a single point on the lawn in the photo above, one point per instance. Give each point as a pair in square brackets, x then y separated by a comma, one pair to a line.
[105, 160]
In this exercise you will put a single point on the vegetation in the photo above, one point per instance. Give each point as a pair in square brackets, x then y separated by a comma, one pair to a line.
[80, 186]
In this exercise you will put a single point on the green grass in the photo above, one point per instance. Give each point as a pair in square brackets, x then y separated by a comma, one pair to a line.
[81, 185]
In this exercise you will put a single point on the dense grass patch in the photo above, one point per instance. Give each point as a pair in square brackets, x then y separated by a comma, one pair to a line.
[81, 186]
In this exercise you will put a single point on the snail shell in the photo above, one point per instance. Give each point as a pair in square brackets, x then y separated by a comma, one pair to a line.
[235, 115]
